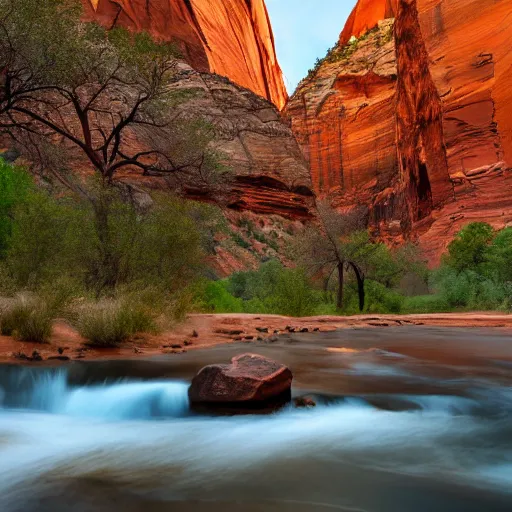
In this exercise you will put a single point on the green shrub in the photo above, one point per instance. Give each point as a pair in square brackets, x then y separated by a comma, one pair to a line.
[15, 183]
[218, 299]
[240, 241]
[380, 299]
[426, 304]
[108, 323]
[271, 289]
[27, 318]
[293, 295]
[41, 246]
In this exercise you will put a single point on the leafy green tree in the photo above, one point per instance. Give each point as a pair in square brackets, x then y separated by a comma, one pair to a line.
[293, 295]
[335, 246]
[106, 243]
[271, 289]
[38, 247]
[95, 95]
[468, 250]
[15, 183]
[499, 256]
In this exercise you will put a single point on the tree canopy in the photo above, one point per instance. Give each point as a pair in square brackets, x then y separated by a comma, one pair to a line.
[72, 89]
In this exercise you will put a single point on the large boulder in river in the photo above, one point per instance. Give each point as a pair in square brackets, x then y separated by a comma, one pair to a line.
[249, 379]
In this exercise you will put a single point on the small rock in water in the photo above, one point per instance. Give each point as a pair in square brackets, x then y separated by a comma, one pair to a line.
[304, 329]
[176, 345]
[316, 329]
[249, 338]
[304, 401]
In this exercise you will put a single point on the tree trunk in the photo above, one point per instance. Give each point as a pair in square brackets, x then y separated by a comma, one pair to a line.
[339, 301]
[360, 284]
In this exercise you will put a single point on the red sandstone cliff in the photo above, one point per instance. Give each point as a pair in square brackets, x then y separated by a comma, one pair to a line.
[415, 125]
[233, 39]
[365, 16]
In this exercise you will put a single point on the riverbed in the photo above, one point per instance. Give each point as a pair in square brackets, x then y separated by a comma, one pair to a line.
[407, 418]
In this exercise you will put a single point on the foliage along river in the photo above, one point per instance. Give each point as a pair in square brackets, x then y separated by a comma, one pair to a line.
[408, 419]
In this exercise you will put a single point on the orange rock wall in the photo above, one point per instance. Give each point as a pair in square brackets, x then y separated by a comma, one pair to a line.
[344, 118]
[417, 129]
[232, 38]
[469, 60]
[365, 16]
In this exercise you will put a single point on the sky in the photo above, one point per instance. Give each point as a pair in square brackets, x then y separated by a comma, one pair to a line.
[304, 30]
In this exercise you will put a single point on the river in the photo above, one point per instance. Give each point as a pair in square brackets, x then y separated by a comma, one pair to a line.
[407, 419]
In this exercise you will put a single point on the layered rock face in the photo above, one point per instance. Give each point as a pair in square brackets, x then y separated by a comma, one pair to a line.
[269, 171]
[232, 39]
[416, 126]
[343, 117]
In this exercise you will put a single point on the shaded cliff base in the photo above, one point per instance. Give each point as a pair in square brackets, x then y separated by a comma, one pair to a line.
[202, 331]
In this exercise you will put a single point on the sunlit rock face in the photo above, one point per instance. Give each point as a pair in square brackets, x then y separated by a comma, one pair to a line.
[344, 118]
[233, 39]
[366, 16]
[414, 126]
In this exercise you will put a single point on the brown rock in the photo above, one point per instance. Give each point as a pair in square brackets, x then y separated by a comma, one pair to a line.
[249, 378]
[232, 39]
[36, 356]
[304, 401]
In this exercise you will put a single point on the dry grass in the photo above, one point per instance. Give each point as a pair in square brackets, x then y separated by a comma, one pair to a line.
[27, 318]
[108, 323]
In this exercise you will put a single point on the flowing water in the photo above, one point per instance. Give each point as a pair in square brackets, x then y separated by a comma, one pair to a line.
[409, 419]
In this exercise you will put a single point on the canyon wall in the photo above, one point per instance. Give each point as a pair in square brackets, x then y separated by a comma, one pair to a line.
[233, 39]
[268, 172]
[365, 16]
[412, 122]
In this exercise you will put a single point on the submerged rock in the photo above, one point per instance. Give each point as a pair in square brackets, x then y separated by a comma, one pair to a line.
[249, 379]
[304, 401]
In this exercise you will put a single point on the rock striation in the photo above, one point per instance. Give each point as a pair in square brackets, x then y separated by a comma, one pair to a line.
[413, 120]
[270, 174]
[233, 39]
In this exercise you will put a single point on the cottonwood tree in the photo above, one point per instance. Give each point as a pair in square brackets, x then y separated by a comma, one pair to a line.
[70, 88]
[336, 245]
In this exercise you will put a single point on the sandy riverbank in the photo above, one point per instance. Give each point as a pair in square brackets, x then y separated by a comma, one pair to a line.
[206, 330]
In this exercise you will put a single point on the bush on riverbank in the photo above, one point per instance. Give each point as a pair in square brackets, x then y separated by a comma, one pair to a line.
[109, 322]
[102, 247]
[27, 318]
